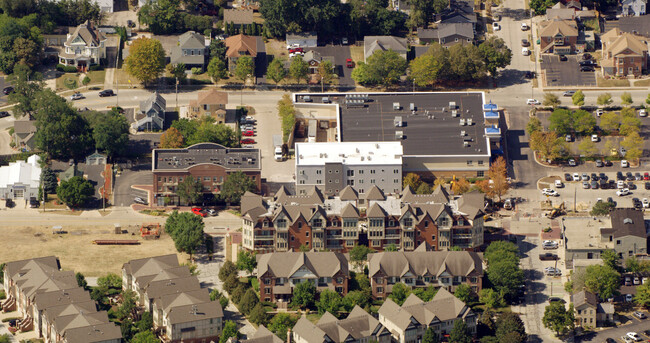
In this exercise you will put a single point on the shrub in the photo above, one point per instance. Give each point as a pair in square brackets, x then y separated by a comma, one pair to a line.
[95, 67]
[66, 69]
[197, 71]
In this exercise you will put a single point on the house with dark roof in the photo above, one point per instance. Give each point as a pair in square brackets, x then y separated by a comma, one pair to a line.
[303, 39]
[151, 116]
[24, 132]
[372, 44]
[85, 46]
[190, 50]
[314, 59]
[278, 273]
[447, 34]
[407, 323]
[440, 269]
[238, 46]
[628, 233]
[238, 16]
[286, 222]
[359, 326]
[590, 312]
[211, 103]
[458, 11]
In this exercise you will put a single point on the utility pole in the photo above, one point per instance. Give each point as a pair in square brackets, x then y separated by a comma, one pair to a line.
[176, 91]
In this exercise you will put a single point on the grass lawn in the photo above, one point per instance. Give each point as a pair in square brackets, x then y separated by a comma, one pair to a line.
[642, 83]
[54, 203]
[356, 53]
[612, 82]
[313, 317]
[123, 78]
[67, 79]
[96, 77]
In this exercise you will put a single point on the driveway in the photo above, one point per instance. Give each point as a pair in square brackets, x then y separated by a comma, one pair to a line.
[637, 326]
[138, 175]
[3, 84]
[340, 54]
[565, 73]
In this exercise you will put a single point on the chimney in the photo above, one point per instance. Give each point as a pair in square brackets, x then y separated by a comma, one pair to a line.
[289, 335]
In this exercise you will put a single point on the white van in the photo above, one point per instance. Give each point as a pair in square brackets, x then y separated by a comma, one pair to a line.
[278, 154]
[558, 184]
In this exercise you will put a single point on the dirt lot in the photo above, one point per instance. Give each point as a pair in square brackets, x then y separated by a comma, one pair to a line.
[75, 249]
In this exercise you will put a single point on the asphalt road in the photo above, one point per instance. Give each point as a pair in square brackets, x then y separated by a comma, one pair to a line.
[637, 326]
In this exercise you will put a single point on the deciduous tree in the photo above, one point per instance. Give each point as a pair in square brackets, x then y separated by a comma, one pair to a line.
[26, 85]
[490, 298]
[561, 121]
[146, 60]
[359, 254]
[186, 230]
[588, 148]
[547, 145]
[604, 99]
[298, 69]
[626, 99]
[145, 337]
[384, 67]
[276, 71]
[329, 301]
[235, 186]
[610, 121]
[111, 135]
[304, 294]
[496, 54]
[602, 280]
[75, 192]
[245, 68]
[583, 122]
[510, 327]
[460, 186]
[430, 336]
[578, 98]
[460, 333]
[400, 293]
[177, 70]
[326, 71]
[629, 124]
[642, 296]
[258, 315]
[633, 143]
[171, 139]
[162, 17]
[602, 208]
[246, 261]
[280, 323]
[464, 293]
[498, 179]
[190, 190]
[217, 69]
[534, 125]
[229, 330]
[557, 318]
[427, 69]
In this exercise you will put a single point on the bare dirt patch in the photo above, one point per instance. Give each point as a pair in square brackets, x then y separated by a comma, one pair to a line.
[76, 250]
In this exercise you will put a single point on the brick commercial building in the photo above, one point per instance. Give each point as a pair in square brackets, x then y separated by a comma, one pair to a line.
[624, 54]
[441, 269]
[208, 162]
[559, 37]
[286, 222]
[278, 273]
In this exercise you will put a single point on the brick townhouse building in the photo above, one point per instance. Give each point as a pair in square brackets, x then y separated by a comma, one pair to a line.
[286, 222]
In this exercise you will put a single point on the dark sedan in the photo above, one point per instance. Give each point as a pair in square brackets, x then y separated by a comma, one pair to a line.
[8, 90]
[4, 114]
[106, 92]
[548, 257]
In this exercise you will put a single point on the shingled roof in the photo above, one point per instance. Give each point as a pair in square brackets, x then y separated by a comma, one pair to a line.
[628, 222]
[434, 263]
[285, 264]
[263, 335]
[241, 45]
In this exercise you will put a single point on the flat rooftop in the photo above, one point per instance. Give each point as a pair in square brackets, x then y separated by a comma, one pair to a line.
[368, 153]
[584, 232]
[205, 153]
[432, 129]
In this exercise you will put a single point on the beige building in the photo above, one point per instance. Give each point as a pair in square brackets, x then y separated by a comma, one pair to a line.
[624, 54]
[211, 103]
[179, 306]
[85, 46]
[359, 327]
[263, 335]
[590, 312]
[407, 323]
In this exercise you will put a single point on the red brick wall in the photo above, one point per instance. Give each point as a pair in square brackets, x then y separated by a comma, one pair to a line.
[298, 237]
[200, 172]
[426, 233]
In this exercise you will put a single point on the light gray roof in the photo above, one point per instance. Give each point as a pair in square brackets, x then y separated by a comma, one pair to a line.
[348, 193]
[195, 312]
[155, 102]
[447, 30]
[168, 301]
[188, 40]
[88, 33]
[238, 16]
[302, 35]
[159, 288]
[24, 126]
[87, 306]
[285, 264]
[434, 263]
[47, 300]
[374, 193]
[93, 334]
[78, 320]
[263, 335]
[150, 265]
[584, 298]
[372, 44]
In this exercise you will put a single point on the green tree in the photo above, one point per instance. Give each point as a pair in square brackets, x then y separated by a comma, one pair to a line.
[287, 113]
[75, 192]
[283, 16]
[510, 328]
[280, 323]
[547, 145]
[604, 99]
[329, 301]
[229, 330]
[276, 71]
[359, 255]
[464, 293]
[460, 333]
[326, 71]
[427, 69]
[583, 122]
[177, 71]
[127, 306]
[81, 280]
[602, 208]
[496, 54]
[298, 69]
[602, 280]
[146, 60]
[218, 49]
[190, 190]
[304, 294]
[626, 99]
[111, 135]
[631, 143]
[246, 261]
[162, 17]
[561, 122]
[258, 315]
[551, 100]
[144, 337]
[186, 230]
[430, 336]
[506, 277]
[490, 298]
[49, 180]
[85, 81]
[534, 125]
[26, 85]
[642, 296]
[245, 68]
[424, 188]
[391, 247]
[362, 298]
[540, 6]
[411, 180]
[235, 185]
[610, 121]
[228, 268]
[110, 280]
[578, 98]
[557, 318]
[498, 251]
[610, 258]
[588, 148]
[425, 294]
[466, 63]
[384, 67]
[399, 293]
[647, 99]
[146, 322]
[18, 8]
[629, 124]
[248, 301]
[217, 69]
[171, 139]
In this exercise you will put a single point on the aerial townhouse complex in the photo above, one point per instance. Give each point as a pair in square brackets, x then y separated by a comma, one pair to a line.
[359, 326]
[286, 222]
[51, 302]
[181, 309]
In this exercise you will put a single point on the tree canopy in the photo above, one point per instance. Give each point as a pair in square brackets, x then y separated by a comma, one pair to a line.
[235, 185]
[146, 60]
[383, 67]
[190, 190]
[186, 230]
[75, 192]
[304, 294]
[557, 318]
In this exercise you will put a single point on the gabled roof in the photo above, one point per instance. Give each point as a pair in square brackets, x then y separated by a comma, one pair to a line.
[210, 97]
[376, 211]
[285, 264]
[88, 33]
[374, 193]
[25, 172]
[349, 211]
[189, 40]
[159, 288]
[93, 334]
[150, 265]
[46, 300]
[263, 335]
[87, 306]
[24, 126]
[78, 320]
[241, 45]
[618, 42]
[357, 326]
[238, 16]
[398, 263]
[584, 297]
[565, 28]
[628, 222]
[383, 43]
[348, 193]
[445, 30]
[155, 102]
[195, 312]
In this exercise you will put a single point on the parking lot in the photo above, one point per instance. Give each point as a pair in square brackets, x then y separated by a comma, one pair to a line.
[566, 73]
[340, 53]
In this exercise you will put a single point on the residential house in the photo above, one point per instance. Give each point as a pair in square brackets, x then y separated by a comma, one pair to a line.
[314, 59]
[372, 44]
[181, 309]
[21, 179]
[332, 166]
[624, 54]
[238, 17]
[24, 132]
[278, 273]
[407, 323]
[210, 163]
[458, 11]
[560, 13]
[151, 116]
[238, 46]
[52, 304]
[303, 39]
[191, 50]
[359, 326]
[559, 37]
[84, 47]
[633, 7]
[441, 269]
[263, 335]
[286, 222]
[590, 312]
[211, 103]
[628, 233]
[447, 34]
[105, 5]
[96, 159]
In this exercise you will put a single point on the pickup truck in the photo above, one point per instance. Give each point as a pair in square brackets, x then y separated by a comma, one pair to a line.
[548, 257]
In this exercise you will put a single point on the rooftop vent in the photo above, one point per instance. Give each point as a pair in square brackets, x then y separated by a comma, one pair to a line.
[454, 113]
[628, 221]
[399, 134]
[398, 121]
[469, 121]
[462, 122]
[396, 106]
[452, 105]
[462, 133]
[466, 144]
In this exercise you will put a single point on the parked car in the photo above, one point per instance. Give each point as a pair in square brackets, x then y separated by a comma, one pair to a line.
[638, 177]
[608, 163]
[106, 92]
[619, 176]
[212, 212]
[639, 315]
[568, 93]
[496, 26]
[643, 113]
[624, 164]
[594, 184]
[647, 185]
[344, 41]
[524, 26]
[623, 192]
[587, 68]
[525, 42]
[586, 63]
[525, 51]
[556, 299]
[349, 63]
[576, 177]
[248, 133]
[533, 102]
[567, 177]
[585, 177]
[33, 203]
[646, 176]
[198, 211]
[586, 56]
[551, 271]
[595, 138]
[563, 58]
[529, 75]
[550, 192]
[76, 96]
[629, 176]
[8, 90]
[585, 185]
[549, 245]
[549, 256]
[247, 141]
[645, 203]
[139, 200]
[568, 138]
[4, 114]
[603, 176]
[294, 50]
[293, 46]
[559, 184]
[599, 112]
[635, 336]
[572, 162]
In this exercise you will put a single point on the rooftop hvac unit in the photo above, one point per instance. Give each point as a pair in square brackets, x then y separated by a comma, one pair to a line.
[466, 144]
[396, 106]
[462, 133]
[452, 105]
[454, 113]
[469, 121]
[398, 121]
[412, 107]
[398, 135]
[462, 122]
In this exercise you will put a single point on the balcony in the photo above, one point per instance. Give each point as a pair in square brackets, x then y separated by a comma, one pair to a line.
[264, 237]
[393, 236]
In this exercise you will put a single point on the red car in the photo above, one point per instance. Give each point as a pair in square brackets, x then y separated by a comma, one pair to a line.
[248, 133]
[291, 51]
[197, 211]
[349, 63]
[646, 176]
[247, 141]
